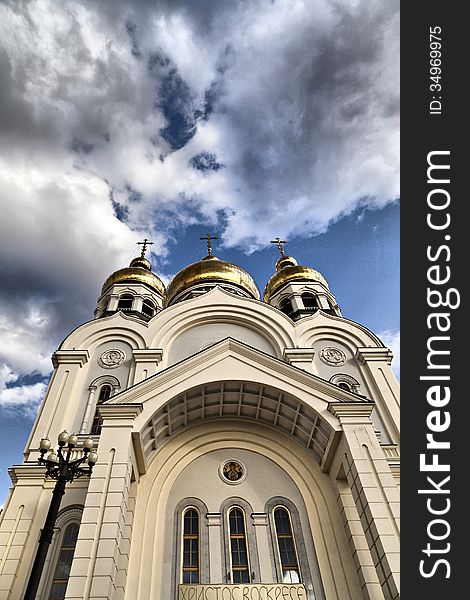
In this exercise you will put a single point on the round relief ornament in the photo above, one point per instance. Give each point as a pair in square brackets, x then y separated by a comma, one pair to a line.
[110, 359]
[232, 471]
[333, 356]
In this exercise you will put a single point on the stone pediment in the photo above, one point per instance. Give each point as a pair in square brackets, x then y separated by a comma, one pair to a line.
[231, 380]
[230, 359]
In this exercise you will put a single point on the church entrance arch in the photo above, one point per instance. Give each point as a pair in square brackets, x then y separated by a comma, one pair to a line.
[240, 400]
[236, 496]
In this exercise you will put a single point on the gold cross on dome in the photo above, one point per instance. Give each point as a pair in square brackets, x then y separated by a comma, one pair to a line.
[144, 245]
[209, 239]
[279, 243]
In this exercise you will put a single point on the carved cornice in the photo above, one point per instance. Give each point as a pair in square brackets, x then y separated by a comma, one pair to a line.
[70, 357]
[347, 410]
[298, 355]
[364, 355]
[148, 355]
[120, 411]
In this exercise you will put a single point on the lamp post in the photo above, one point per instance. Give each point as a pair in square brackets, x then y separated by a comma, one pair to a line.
[60, 467]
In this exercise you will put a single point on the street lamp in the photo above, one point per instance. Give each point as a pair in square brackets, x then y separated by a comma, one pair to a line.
[60, 467]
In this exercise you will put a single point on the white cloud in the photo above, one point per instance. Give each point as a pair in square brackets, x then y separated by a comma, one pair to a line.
[297, 100]
[24, 399]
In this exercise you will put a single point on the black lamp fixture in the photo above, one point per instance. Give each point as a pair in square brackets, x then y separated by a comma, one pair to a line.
[61, 467]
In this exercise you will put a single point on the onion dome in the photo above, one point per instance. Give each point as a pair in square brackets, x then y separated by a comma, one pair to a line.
[212, 270]
[287, 270]
[139, 271]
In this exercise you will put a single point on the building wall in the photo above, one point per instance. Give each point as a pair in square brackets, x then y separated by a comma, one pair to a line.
[126, 545]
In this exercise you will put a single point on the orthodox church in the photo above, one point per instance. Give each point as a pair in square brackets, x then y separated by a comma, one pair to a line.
[248, 446]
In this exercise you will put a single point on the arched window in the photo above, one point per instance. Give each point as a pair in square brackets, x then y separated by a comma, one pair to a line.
[309, 301]
[148, 308]
[286, 546]
[105, 394]
[190, 562]
[191, 535]
[64, 563]
[346, 382]
[125, 302]
[286, 307]
[238, 548]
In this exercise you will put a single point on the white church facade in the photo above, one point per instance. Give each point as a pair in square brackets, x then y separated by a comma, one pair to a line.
[248, 447]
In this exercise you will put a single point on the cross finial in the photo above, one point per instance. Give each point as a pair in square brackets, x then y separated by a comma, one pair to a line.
[209, 239]
[279, 243]
[144, 245]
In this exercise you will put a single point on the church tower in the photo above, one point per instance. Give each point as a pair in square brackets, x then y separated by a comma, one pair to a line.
[248, 447]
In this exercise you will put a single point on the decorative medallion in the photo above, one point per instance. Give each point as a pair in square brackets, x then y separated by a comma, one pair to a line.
[232, 472]
[332, 356]
[110, 359]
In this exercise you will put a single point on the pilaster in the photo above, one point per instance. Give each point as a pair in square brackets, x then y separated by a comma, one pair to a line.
[99, 568]
[146, 363]
[375, 363]
[376, 499]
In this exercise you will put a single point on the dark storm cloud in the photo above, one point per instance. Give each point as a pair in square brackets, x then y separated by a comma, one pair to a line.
[116, 118]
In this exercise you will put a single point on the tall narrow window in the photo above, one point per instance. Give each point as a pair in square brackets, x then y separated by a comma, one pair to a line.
[105, 394]
[238, 547]
[64, 563]
[286, 546]
[191, 546]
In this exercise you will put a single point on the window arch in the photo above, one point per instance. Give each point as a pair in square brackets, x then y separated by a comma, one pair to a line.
[148, 308]
[125, 302]
[104, 394]
[240, 545]
[309, 301]
[94, 395]
[286, 307]
[307, 563]
[181, 534]
[347, 382]
[64, 563]
[190, 561]
[56, 574]
[239, 558]
[286, 546]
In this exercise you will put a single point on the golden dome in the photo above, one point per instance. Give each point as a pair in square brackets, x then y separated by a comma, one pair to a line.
[139, 271]
[288, 270]
[211, 270]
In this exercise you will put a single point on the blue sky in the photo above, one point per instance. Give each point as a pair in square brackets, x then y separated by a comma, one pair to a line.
[165, 120]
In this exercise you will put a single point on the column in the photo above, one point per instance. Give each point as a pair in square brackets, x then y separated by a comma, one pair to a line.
[266, 574]
[323, 301]
[90, 407]
[113, 302]
[216, 569]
